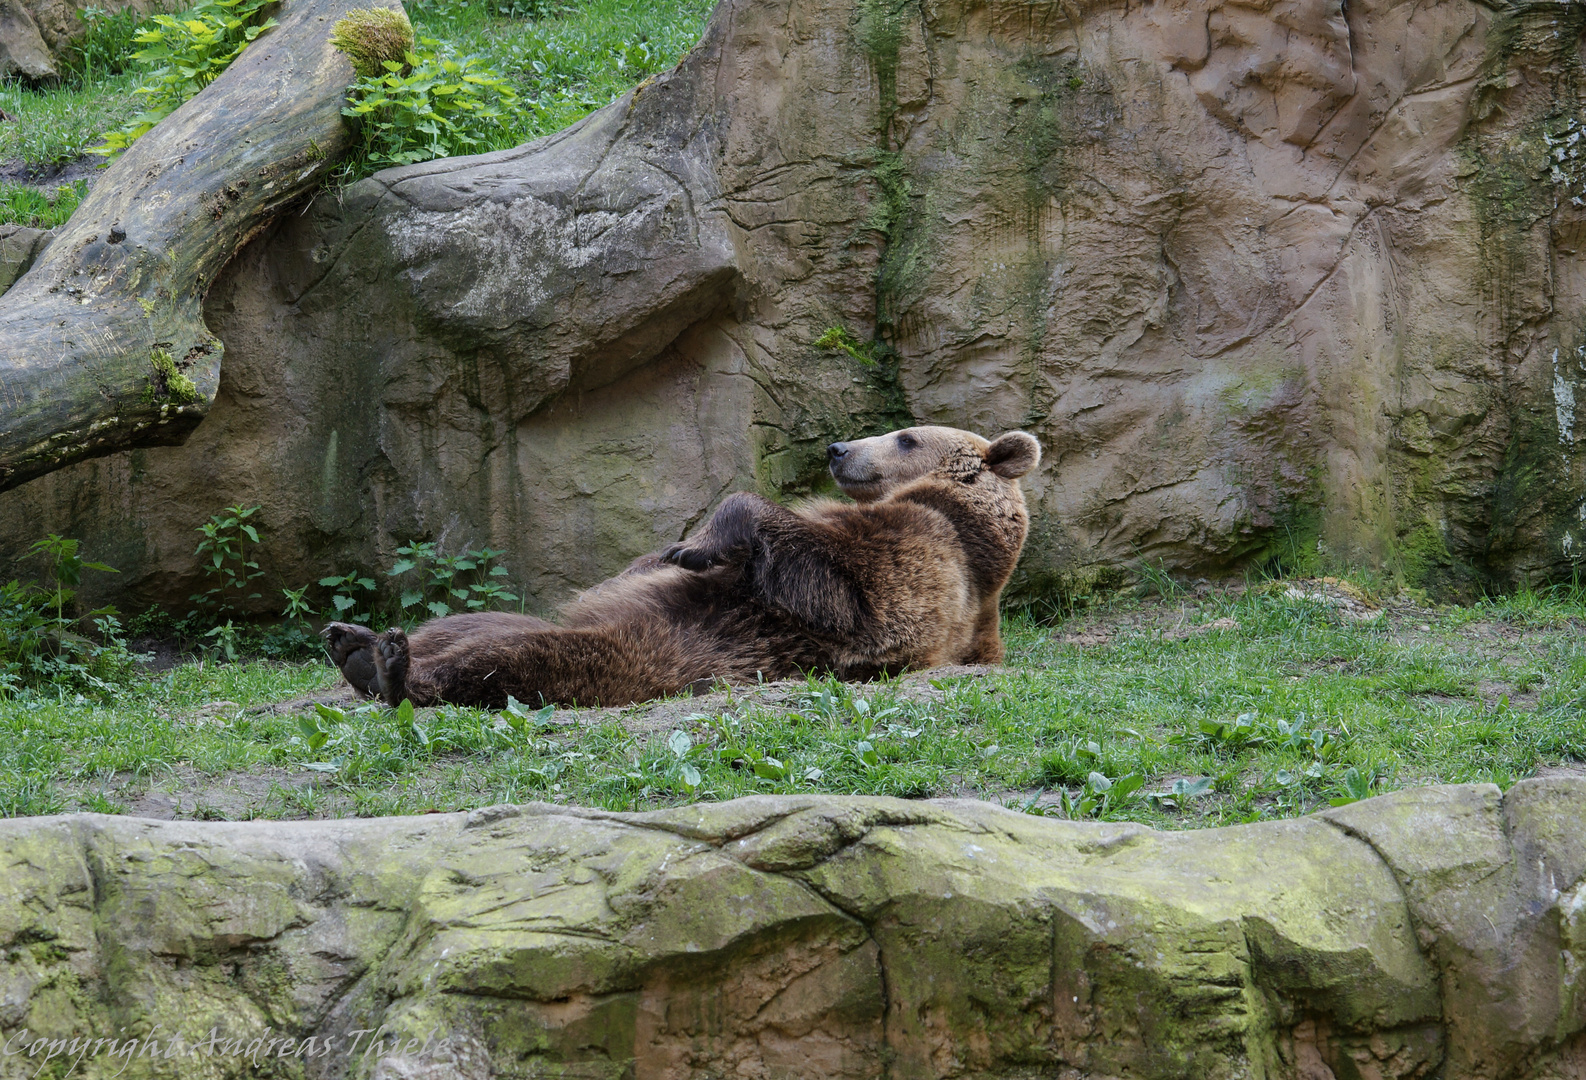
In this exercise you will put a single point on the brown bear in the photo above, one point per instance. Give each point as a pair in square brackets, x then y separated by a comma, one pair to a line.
[909, 577]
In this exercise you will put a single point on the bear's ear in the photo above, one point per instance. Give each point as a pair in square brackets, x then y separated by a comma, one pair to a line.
[1013, 454]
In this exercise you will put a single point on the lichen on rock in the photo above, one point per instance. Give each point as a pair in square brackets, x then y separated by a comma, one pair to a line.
[1429, 932]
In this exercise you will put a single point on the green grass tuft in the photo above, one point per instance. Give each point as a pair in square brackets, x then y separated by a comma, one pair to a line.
[57, 125]
[39, 208]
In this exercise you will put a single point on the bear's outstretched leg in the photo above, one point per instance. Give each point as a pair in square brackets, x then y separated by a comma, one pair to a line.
[602, 665]
[351, 648]
[391, 661]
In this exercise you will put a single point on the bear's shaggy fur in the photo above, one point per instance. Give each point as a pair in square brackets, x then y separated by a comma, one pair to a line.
[908, 578]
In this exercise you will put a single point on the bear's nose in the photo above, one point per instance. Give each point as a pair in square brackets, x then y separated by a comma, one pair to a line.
[837, 451]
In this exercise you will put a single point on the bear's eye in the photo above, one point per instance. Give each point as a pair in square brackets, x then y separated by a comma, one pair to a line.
[907, 442]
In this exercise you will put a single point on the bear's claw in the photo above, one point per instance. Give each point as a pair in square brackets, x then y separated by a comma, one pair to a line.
[688, 557]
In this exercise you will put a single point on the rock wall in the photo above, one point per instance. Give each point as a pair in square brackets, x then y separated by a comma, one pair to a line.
[1435, 932]
[34, 34]
[1267, 278]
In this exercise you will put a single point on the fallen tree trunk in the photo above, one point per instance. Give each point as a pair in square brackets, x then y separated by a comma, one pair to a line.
[103, 345]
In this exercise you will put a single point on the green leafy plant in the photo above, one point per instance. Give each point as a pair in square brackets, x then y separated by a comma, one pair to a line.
[1297, 735]
[523, 720]
[1071, 761]
[1101, 796]
[186, 53]
[229, 558]
[317, 729]
[1179, 793]
[1242, 732]
[735, 747]
[534, 10]
[429, 105]
[444, 584]
[413, 733]
[222, 640]
[105, 47]
[40, 643]
[682, 745]
[297, 609]
[1354, 786]
[345, 590]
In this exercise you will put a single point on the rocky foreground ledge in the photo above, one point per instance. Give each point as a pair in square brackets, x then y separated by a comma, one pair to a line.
[1433, 932]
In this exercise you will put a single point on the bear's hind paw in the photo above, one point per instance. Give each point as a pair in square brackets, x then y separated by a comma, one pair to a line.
[351, 649]
[391, 662]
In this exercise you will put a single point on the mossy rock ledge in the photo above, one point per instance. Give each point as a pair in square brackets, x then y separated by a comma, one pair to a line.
[1436, 932]
[1276, 280]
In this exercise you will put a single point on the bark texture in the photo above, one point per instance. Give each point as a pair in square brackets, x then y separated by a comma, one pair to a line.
[104, 341]
[1281, 278]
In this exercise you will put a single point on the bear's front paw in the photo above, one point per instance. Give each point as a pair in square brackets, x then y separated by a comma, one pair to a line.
[689, 558]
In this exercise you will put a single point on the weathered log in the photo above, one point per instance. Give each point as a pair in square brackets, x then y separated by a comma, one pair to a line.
[103, 345]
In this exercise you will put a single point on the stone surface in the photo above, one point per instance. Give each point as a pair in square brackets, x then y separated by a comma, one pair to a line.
[35, 35]
[806, 936]
[18, 246]
[60, 22]
[1264, 276]
[22, 50]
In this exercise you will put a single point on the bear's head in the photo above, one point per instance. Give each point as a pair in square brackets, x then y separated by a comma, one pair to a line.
[871, 469]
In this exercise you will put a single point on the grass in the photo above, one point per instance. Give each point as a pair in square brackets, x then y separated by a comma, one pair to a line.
[39, 208]
[565, 64]
[56, 125]
[571, 63]
[1279, 703]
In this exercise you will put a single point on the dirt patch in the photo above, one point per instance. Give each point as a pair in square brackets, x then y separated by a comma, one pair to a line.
[1349, 600]
[184, 792]
[53, 174]
[1173, 621]
[1494, 694]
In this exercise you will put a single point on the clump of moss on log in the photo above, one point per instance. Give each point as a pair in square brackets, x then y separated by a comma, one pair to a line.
[168, 383]
[373, 37]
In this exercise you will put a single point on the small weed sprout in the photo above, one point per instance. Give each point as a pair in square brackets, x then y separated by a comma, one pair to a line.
[838, 339]
[229, 557]
[345, 590]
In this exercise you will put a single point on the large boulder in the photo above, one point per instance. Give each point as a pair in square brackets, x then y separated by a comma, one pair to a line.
[1265, 278]
[1439, 932]
[38, 34]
